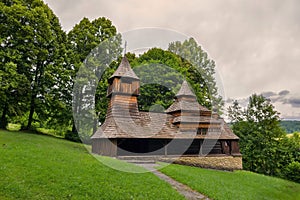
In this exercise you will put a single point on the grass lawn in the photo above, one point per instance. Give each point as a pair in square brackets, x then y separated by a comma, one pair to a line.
[42, 167]
[233, 185]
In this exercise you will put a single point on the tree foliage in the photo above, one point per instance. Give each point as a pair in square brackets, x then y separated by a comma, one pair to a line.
[32, 39]
[40, 62]
[11, 92]
[94, 44]
[264, 145]
[87, 35]
[39, 68]
[166, 70]
[161, 73]
[203, 70]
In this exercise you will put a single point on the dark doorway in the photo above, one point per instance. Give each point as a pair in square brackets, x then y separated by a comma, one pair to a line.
[132, 147]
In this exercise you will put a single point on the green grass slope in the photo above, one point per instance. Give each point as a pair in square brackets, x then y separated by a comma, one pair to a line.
[42, 167]
[240, 185]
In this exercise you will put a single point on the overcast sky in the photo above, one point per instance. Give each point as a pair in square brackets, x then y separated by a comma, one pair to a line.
[255, 43]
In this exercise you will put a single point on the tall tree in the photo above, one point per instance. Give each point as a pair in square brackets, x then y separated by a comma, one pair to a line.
[204, 69]
[167, 70]
[260, 135]
[161, 73]
[11, 91]
[32, 38]
[92, 53]
[87, 35]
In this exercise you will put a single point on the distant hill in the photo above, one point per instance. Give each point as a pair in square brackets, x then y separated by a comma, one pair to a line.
[290, 126]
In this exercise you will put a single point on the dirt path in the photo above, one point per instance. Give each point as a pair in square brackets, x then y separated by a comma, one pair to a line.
[186, 191]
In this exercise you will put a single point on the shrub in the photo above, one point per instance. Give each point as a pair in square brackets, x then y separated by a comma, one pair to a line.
[13, 127]
[72, 136]
[292, 171]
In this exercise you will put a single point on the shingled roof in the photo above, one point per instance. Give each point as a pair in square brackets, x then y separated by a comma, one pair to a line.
[189, 106]
[196, 119]
[186, 105]
[185, 90]
[154, 125]
[124, 70]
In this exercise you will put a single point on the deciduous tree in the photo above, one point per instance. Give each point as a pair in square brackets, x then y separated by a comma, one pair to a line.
[203, 71]
[264, 145]
[94, 44]
[32, 39]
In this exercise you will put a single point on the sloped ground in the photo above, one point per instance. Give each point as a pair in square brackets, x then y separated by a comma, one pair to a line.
[42, 167]
[224, 185]
[186, 191]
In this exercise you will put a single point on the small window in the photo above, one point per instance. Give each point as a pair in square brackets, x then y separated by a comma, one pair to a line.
[202, 131]
[125, 80]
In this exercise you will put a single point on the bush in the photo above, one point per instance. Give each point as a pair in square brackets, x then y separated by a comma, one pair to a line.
[13, 127]
[72, 136]
[292, 172]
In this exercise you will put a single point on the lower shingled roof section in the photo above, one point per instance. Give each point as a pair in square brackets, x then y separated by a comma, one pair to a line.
[154, 125]
[186, 106]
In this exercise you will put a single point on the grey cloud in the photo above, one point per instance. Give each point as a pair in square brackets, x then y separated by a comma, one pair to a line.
[268, 94]
[273, 96]
[294, 116]
[294, 102]
[251, 41]
[283, 93]
[276, 99]
[282, 97]
[287, 104]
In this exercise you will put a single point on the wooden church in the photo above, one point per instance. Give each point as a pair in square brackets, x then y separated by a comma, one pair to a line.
[185, 128]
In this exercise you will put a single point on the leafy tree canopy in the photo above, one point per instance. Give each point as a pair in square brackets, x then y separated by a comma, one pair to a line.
[32, 39]
[204, 69]
[264, 145]
[161, 73]
[167, 69]
[94, 44]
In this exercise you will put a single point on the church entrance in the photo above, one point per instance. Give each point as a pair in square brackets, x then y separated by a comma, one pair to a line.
[145, 147]
[136, 147]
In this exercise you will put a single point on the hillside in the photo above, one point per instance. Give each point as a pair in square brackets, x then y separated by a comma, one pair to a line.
[222, 185]
[290, 126]
[42, 167]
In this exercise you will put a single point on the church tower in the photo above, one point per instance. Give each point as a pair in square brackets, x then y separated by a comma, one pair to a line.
[123, 91]
[189, 115]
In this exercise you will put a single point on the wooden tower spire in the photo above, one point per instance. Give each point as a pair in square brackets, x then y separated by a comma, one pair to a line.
[123, 91]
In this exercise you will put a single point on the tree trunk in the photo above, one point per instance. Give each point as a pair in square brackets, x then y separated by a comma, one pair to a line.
[74, 130]
[33, 96]
[30, 117]
[3, 122]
